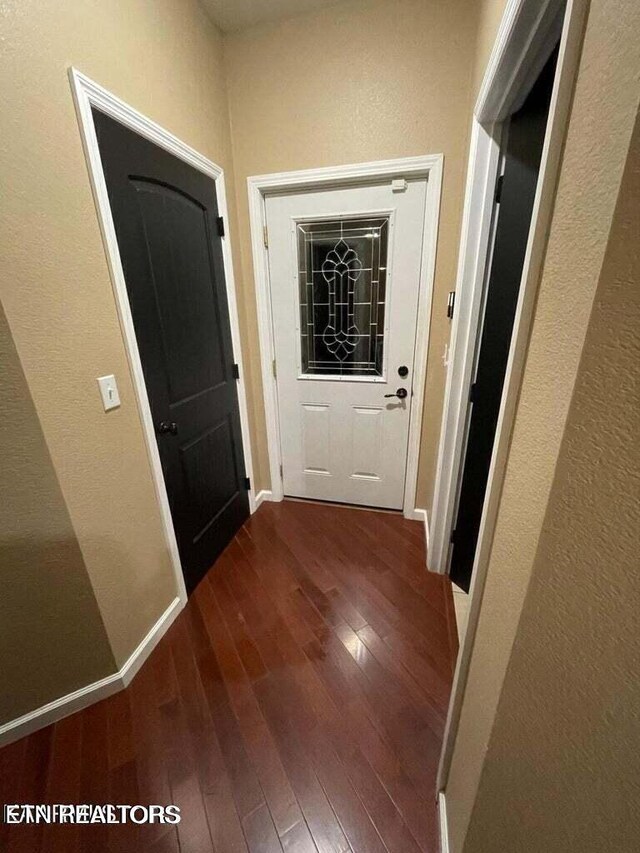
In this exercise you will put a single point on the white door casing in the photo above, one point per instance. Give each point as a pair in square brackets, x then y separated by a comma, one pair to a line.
[341, 439]
[529, 30]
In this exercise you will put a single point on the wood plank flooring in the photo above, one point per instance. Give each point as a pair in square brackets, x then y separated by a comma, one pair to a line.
[297, 704]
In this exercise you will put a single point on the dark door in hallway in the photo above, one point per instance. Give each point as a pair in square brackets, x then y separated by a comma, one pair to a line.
[523, 151]
[165, 214]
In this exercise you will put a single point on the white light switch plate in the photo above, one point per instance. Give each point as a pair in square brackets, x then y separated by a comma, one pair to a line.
[109, 392]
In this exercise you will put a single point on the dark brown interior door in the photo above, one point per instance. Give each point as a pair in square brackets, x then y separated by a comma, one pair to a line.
[526, 133]
[165, 214]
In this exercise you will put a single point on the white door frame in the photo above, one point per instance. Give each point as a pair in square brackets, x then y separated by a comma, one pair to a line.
[527, 33]
[259, 187]
[88, 94]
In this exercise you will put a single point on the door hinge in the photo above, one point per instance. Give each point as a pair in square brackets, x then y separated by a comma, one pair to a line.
[265, 236]
[235, 370]
[451, 301]
[274, 369]
[473, 392]
[220, 225]
[281, 474]
[247, 483]
[498, 194]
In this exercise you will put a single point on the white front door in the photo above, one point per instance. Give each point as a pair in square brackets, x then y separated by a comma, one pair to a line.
[344, 271]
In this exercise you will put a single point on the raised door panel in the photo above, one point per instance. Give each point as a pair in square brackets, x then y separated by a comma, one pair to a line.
[316, 439]
[211, 476]
[366, 443]
[177, 238]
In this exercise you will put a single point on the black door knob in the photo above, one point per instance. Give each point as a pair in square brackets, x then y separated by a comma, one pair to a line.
[401, 393]
[167, 427]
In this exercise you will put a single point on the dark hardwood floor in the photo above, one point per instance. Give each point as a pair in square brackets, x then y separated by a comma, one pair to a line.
[297, 704]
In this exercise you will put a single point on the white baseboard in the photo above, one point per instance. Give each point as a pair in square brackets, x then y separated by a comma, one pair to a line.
[263, 495]
[59, 708]
[85, 696]
[139, 655]
[418, 514]
[413, 514]
[442, 823]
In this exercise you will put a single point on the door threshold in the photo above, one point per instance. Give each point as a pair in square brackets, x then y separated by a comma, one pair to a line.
[343, 504]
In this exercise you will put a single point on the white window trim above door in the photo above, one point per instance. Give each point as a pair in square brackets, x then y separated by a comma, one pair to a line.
[259, 187]
[88, 94]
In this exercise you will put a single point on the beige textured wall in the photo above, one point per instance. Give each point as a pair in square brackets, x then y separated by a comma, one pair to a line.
[358, 81]
[562, 774]
[410, 88]
[52, 640]
[164, 58]
[488, 22]
[602, 117]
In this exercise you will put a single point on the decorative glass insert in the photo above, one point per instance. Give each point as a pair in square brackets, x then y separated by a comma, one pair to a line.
[342, 272]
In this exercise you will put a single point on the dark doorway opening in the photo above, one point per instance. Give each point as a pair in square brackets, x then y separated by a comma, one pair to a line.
[515, 194]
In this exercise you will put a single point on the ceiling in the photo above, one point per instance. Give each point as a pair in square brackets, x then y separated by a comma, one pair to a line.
[232, 15]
